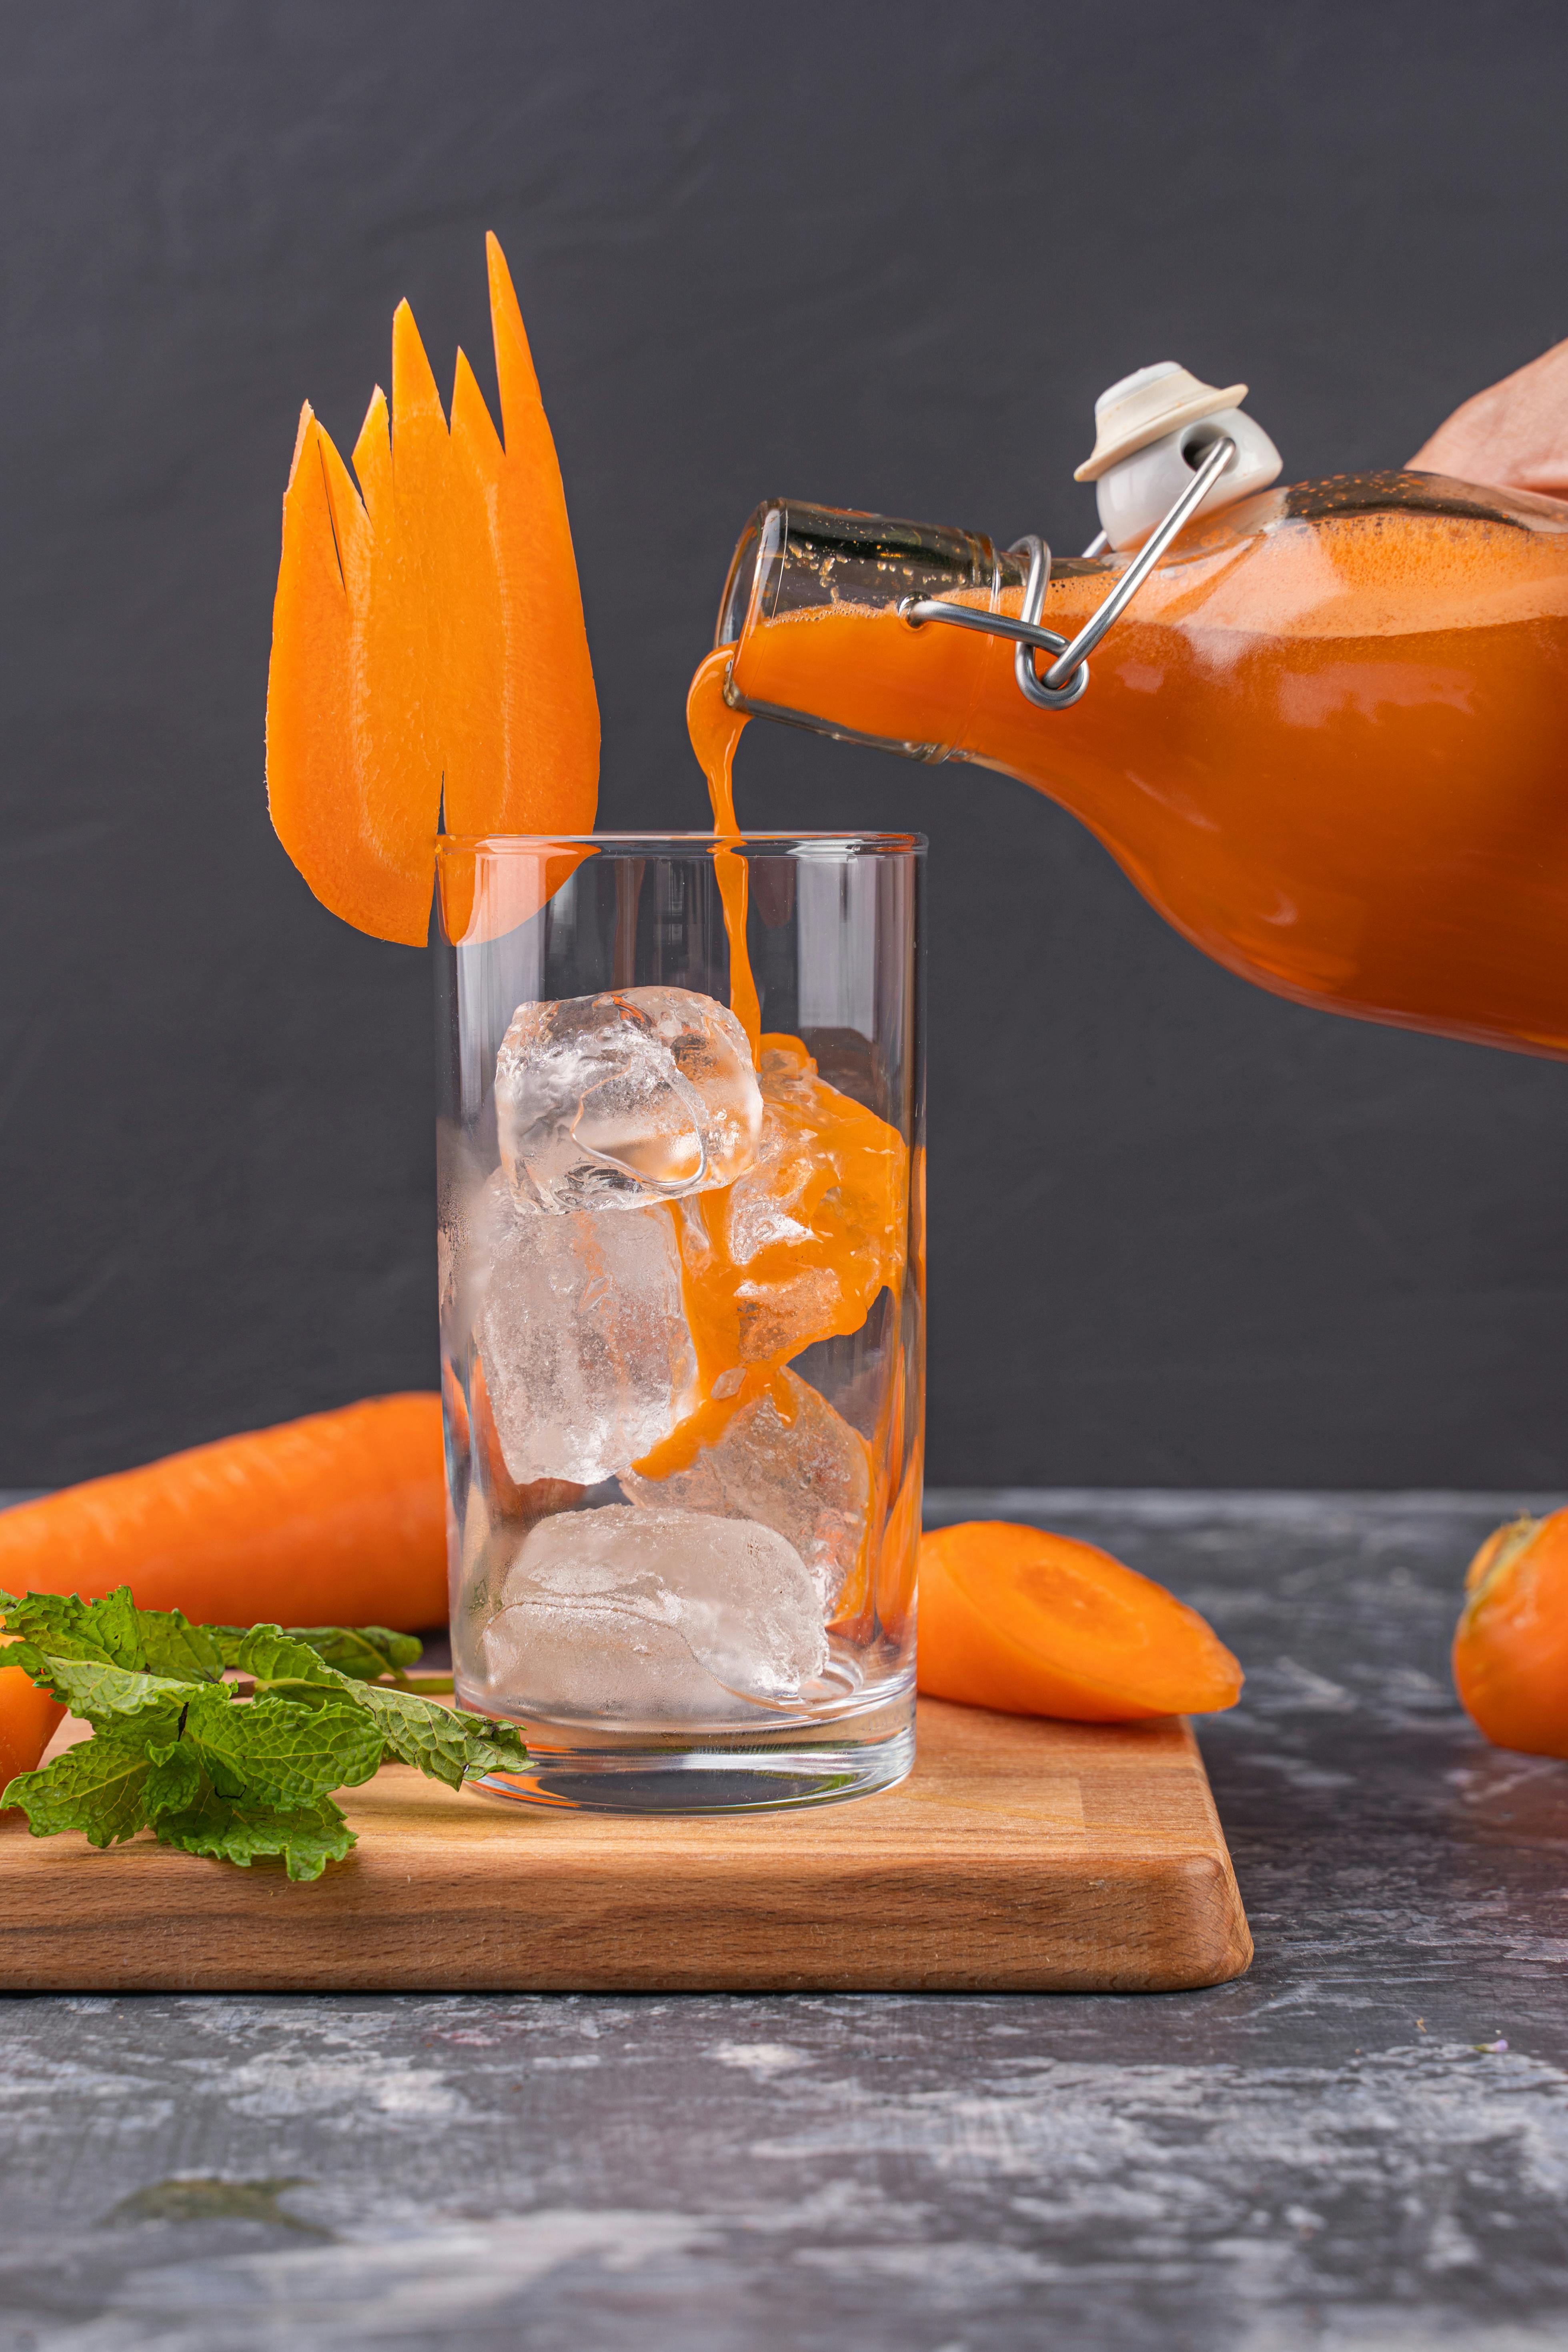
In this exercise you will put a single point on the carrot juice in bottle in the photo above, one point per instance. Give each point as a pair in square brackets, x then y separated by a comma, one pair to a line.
[1325, 739]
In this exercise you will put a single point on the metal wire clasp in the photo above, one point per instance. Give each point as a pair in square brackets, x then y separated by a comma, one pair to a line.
[1068, 676]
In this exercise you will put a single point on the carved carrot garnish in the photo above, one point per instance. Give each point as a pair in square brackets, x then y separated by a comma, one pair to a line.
[427, 636]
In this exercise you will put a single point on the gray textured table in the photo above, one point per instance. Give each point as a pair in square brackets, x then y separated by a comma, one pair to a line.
[1363, 2144]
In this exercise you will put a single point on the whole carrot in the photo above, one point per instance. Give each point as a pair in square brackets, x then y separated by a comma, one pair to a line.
[339, 1518]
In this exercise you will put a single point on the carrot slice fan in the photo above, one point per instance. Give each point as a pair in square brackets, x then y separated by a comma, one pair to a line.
[1034, 1623]
[427, 636]
[1511, 1651]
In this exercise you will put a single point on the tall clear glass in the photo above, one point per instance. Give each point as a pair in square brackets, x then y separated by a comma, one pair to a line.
[682, 1309]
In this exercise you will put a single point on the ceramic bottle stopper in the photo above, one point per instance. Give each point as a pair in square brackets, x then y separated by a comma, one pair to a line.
[1150, 430]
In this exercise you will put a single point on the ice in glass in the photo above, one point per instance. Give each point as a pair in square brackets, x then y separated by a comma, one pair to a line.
[682, 1320]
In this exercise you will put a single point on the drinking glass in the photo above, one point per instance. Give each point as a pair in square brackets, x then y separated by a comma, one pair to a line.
[682, 1309]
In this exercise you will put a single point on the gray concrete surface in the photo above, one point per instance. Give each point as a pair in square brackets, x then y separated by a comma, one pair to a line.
[1363, 2147]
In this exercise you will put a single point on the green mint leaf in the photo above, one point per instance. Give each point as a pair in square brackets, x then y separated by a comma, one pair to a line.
[114, 1632]
[307, 1836]
[101, 1693]
[362, 1652]
[282, 1662]
[97, 1787]
[113, 1623]
[276, 1753]
[438, 1740]
[175, 1747]
[176, 1781]
[493, 1746]
[62, 1625]
[432, 1738]
[417, 1731]
[173, 1646]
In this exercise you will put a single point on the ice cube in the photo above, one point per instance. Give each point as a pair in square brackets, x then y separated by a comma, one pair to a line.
[653, 1619]
[587, 1353]
[798, 1248]
[786, 1459]
[641, 1094]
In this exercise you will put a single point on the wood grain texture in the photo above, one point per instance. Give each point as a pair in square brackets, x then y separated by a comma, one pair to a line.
[1020, 1855]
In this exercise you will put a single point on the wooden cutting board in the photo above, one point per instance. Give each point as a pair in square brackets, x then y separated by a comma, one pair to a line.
[1020, 1855]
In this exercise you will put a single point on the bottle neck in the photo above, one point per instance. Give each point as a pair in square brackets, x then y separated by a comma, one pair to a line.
[824, 609]
[813, 607]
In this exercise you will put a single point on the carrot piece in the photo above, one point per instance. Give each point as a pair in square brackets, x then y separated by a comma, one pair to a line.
[339, 1518]
[1511, 1649]
[1033, 1623]
[523, 723]
[427, 637]
[474, 650]
[543, 770]
[27, 1720]
[333, 804]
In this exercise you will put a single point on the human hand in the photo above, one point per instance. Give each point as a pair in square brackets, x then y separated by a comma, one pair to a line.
[1514, 435]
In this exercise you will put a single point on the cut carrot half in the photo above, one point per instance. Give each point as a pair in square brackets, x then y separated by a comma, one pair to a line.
[429, 646]
[1034, 1623]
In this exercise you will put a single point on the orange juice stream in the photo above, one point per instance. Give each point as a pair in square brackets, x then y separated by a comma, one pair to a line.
[715, 730]
[845, 1172]
[831, 1149]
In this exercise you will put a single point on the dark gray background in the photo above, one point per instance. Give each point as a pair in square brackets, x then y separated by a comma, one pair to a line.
[875, 254]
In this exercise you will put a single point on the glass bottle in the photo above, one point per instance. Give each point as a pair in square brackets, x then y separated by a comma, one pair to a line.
[1326, 738]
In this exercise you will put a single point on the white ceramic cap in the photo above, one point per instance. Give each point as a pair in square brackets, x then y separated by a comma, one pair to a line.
[1145, 406]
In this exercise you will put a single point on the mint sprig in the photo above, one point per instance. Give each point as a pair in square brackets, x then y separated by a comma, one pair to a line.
[232, 1771]
[365, 1653]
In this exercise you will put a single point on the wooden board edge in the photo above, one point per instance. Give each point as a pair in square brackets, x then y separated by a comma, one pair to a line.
[1044, 1925]
[945, 1917]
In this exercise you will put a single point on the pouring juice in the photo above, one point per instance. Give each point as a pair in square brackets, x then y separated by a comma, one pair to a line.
[1326, 741]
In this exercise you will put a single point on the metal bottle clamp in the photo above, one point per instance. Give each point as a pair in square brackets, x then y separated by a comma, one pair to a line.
[1068, 676]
